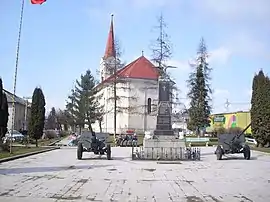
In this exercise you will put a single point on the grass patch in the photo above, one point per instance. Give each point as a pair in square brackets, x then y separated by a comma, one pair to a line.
[20, 150]
[201, 144]
[46, 142]
[261, 149]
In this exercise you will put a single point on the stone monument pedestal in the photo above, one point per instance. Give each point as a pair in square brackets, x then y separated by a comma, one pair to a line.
[164, 144]
[164, 147]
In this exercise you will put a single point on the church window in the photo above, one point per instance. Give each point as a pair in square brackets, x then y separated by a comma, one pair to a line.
[149, 105]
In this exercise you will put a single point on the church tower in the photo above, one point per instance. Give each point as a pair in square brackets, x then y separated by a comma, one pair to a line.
[107, 64]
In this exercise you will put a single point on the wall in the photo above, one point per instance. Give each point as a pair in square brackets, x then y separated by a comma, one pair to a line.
[231, 120]
[142, 90]
[133, 94]
[19, 115]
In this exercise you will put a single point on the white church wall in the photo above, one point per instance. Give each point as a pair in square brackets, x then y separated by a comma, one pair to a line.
[133, 94]
[107, 101]
[139, 119]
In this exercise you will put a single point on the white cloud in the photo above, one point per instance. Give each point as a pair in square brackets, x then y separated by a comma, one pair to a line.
[245, 44]
[236, 10]
[221, 92]
[181, 65]
[219, 56]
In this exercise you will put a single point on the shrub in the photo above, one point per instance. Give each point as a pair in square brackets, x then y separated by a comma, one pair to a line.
[213, 139]
[236, 130]
[220, 130]
[50, 134]
[64, 133]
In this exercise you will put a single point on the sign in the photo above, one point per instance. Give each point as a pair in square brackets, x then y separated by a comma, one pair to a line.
[219, 119]
[164, 108]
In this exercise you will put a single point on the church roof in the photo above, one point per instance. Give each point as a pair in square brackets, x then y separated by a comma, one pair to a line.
[17, 99]
[140, 68]
[110, 46]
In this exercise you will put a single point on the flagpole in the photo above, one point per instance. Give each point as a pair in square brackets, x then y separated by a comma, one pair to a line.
[15, 75]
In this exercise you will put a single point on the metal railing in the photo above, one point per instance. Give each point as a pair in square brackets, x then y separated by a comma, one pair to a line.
[172, 154]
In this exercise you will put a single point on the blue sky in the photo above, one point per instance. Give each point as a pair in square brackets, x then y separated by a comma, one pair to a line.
[62, 39]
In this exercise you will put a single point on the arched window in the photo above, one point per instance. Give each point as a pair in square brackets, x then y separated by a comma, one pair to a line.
[149, 105]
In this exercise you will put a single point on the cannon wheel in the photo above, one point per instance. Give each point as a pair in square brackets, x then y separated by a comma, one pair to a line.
[109, 152]
[246, 152]
[79, 151]
[219, 152]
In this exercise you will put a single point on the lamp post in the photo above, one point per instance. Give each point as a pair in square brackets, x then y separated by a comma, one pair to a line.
[26, 111]
[25, 116]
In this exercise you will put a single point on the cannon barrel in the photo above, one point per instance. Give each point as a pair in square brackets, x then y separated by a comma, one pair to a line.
[240, 134]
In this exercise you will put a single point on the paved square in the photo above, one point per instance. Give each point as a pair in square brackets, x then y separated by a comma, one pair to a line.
[59, 176]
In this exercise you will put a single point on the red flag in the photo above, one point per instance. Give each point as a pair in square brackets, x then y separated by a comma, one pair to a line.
[38, 1]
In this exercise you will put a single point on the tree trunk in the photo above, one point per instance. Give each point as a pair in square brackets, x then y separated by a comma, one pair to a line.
[36, 142]
[90, 128]
[100, 127]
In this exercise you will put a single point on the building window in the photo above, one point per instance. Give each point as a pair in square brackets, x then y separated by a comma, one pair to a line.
[149, 103]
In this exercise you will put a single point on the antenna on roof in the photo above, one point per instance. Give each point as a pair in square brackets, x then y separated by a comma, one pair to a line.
[142, 52]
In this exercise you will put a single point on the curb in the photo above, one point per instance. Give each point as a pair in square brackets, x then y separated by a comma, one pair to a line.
[51, 144]
[27, 154]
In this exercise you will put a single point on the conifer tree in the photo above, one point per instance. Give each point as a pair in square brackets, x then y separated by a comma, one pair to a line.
[267, 114]
[51, 122]
[37, 117]
[260, 109]
[3, 112]
[200, 91]
[83, 104]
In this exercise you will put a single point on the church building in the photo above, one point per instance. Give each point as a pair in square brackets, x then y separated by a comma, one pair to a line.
[136, 86]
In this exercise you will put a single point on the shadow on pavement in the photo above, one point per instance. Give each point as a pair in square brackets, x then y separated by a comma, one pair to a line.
[104, 158]
[237, 158]
[47, 169]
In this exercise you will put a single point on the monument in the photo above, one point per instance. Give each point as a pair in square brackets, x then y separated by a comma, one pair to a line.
[164, 144]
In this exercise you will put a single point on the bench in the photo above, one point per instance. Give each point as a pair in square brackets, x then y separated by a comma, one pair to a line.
[197, 140]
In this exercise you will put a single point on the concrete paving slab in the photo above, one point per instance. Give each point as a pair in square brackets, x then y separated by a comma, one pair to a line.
[59, 176]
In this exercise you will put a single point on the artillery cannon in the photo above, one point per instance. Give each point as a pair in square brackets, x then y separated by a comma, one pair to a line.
[233, 144]
[93, 142]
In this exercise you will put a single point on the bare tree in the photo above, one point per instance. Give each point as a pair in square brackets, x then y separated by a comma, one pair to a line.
[161, 47]
[116, 86]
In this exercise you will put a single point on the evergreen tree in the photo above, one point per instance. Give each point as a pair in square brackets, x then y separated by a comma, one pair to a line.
[63, 119]
[37, 118]
[260, 108]
[3, 112]
[51, 122]
[83, 106]
[200, 91]
[70, 110]
[267, 115]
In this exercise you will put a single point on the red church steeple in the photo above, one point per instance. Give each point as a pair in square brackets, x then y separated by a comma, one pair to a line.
[110, 47]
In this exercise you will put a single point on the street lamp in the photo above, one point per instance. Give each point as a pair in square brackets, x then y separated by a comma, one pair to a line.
[25, 116]
[26, 110]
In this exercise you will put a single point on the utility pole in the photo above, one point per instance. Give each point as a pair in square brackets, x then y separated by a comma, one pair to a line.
[25, 118]
[227, 104]
[15, 74]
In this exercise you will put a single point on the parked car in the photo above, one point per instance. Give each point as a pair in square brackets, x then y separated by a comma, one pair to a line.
[251, 141]
[15, 136]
